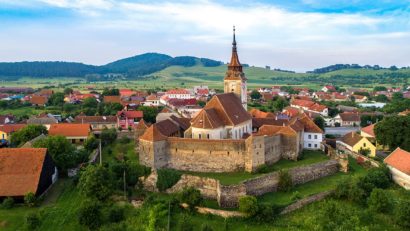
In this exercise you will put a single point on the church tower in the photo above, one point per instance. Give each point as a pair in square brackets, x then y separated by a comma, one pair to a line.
[235, 80]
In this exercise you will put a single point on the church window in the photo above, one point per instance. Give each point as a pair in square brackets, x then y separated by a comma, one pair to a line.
[207, 136]
[199, 136]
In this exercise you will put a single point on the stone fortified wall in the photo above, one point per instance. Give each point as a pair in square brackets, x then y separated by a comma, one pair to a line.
[228, 195]
[217, 155]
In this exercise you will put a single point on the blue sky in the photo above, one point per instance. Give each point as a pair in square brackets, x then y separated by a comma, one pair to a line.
[297, 35]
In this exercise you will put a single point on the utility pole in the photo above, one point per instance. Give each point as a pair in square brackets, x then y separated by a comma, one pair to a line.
[169, 214]
[100, 150]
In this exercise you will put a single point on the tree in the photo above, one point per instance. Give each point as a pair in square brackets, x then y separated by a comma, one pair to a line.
[33, 221]
[27, 133]
[68, 91]
[381, 98]
[90, 215]
[156, 214]
[320, 122]
[248, 205]
[108, 136]
[380, 88]
[397, 96]
[60, 149]
[285, 181]
[90, 102]
[402, 214]
[91, 143]
[7, 203]
[150, 113]
[379, 201]
[56, 99]
[110, 91]
[255, 95]
[96, 182]
[191, 196]
[30, 199]
[394, 131]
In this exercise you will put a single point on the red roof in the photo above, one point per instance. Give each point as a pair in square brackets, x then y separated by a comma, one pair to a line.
[9, 128]
[329, 87]
[131, 114]
[302, 103]
[177, 91]
[369, 130]
[20, 170]
[399, 159]
[69, 130]
[127, 92]
[37, 99]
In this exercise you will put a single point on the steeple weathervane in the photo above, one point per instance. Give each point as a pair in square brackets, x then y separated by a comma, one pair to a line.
[234, 64]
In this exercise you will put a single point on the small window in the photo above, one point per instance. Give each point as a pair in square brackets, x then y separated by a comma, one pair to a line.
[199, 136]
[315, 137]
[364, 144]
[207, 136]
[309, 145]
[315, 145]
[309, 136]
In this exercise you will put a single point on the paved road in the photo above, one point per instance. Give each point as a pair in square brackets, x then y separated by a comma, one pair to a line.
[340, 131]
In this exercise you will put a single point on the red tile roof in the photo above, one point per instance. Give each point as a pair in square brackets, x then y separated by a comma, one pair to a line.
[152, 134]
[207, 118]
[131, 114]
[260, 114]
[69, 130]
[9, 128]
[369, 130]
[177, 91]
[399, 159]
[302, 103]
[351, 138]
[348, 116]
[112, 99]
[20, 170]
[38, 99]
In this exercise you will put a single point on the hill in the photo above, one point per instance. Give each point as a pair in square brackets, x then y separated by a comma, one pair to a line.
[129, 67]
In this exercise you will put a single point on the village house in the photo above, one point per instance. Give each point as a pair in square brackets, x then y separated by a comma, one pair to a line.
[308, 105]
[328, 88]
[368, 132]
[128, 119]
[355, 143]
[126, 92]
[24, 170]
[6, 119]
[98, 123]
[347, 119]
[43, 119]
[151, 100]
[179, 94]
[8, 129]
[75, 133]
[399, 164]
[37, 100]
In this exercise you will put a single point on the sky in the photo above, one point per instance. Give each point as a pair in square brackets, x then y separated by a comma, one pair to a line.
[297, 35]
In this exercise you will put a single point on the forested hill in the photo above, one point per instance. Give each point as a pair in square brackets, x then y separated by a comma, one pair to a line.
[337, 67]
[130, 67]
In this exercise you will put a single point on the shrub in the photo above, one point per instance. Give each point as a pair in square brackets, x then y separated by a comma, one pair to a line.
[186, 224]
[263, 169]
[379, 201]
[285, 181]
[116, 214]
[96, 182]
[90, 215]
[30, 199]
[248, 205]
[375, 178]
[33, 221]
[7, 203]
[167, 178]
[191, 196]
[296, 196]
[206, 227]
[402, 214]
[124, 140]
[267, 212]
[91, 143]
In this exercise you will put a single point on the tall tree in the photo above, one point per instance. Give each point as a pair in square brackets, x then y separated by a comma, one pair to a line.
[394, 131]
[26, 134]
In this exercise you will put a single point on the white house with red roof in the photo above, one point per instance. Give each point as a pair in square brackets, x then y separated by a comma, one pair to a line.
[128, 119]
[399, 164]
[328, 88]
[179, 94]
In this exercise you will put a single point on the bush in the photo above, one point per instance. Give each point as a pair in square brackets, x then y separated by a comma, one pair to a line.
[263, 169]
[108, 136]
[91, 143]
[124, 140]
[7, 203]
[116, 214]
[402, 214]
[33, 221]
[375, 178]
[90, 215]
[296, 196]
[285, 181]
[248, 205]
[167, 178]
[30, 199]
[267, 212]
[191, 196]
[379, 201]
[96, 182]
[206, 227]
[186, 224]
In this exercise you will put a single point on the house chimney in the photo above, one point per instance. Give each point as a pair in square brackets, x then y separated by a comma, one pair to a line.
[352, 134]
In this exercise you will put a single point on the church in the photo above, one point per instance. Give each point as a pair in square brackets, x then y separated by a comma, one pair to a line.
[224, 136]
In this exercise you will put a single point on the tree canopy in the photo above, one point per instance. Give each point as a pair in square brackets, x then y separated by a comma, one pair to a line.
[394, 131]
[27, 133]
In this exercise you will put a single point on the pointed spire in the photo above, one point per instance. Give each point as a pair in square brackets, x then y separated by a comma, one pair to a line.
[234, 64]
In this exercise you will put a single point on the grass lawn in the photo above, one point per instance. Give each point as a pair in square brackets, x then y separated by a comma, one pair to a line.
[111, 152]
[23, 111]
[309, 157]
[58, 210]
